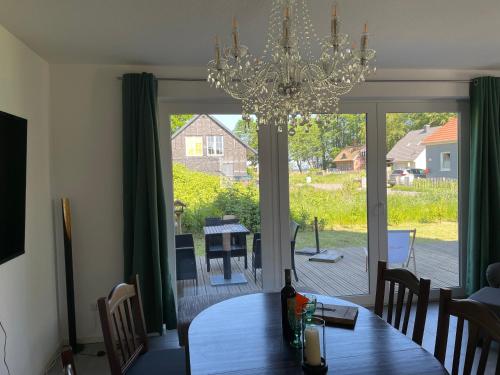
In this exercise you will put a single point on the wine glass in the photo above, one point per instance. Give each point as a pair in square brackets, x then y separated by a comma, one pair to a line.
[296, 321]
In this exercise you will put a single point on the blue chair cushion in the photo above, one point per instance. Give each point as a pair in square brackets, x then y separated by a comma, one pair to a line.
[160, 362]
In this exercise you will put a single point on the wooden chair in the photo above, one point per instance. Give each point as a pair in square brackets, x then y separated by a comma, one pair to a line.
[125, 336]
[405, 280]
[482, 323]
[68, 362]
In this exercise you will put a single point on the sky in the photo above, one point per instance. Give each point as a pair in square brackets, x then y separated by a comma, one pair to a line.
[228, 120]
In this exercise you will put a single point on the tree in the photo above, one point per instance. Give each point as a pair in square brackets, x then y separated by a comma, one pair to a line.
[247, 132]
[178, 121]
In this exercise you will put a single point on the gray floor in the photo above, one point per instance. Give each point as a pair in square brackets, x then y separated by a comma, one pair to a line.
[88, 364]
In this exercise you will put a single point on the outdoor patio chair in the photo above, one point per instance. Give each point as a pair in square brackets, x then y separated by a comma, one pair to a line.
[400, 247]
[294, 228]
[212, 221]
[256, 255]
[185, 257]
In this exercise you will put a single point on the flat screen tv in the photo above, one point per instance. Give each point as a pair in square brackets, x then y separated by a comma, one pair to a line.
[13, 138]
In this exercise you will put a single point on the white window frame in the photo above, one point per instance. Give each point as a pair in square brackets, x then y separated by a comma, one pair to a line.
[445, 105]
[186, 146]
[443, 169]
[215, 148]
[274, 199]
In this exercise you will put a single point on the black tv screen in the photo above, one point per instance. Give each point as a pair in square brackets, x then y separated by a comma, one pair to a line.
[13, 138]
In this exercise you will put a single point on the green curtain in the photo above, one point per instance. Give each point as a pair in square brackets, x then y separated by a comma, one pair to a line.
[144, 212]
[483, 245]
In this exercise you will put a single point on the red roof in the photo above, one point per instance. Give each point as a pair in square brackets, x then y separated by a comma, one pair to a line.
[445, 134]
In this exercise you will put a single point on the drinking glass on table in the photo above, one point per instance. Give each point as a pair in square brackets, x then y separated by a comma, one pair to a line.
[296, 319]
[310, 306]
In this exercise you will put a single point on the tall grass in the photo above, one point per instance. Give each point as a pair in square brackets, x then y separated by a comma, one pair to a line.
[340, 202]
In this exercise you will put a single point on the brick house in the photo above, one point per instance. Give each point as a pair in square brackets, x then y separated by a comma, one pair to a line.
[351, 158]
[204, 144]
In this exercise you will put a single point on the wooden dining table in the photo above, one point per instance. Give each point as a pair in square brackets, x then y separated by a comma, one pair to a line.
[243, 336]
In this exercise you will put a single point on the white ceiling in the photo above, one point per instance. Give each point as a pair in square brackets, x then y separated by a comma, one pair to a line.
[449, 34]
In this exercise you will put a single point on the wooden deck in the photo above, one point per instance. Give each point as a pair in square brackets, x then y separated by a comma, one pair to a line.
[436, 260]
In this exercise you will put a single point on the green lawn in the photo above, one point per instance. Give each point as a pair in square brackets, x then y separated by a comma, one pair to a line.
[354, 236]
[337, 199]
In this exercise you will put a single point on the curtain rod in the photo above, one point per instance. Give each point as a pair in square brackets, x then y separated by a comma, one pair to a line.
[180, 79]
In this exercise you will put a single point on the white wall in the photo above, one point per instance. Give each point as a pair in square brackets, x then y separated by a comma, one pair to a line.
[87, 168]
[28, 301]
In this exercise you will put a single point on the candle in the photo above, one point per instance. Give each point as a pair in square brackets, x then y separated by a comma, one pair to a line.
[364, 37]
[235, 34]
[217, 51]
[286, 34]
[312, 349]
[334, 23]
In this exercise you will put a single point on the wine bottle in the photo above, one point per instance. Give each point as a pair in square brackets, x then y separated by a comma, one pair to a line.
[286, 293]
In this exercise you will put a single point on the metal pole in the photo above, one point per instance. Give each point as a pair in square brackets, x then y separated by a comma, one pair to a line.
[182, 79]
[316, 233]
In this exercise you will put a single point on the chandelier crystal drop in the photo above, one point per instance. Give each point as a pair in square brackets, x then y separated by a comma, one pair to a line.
[288, 83]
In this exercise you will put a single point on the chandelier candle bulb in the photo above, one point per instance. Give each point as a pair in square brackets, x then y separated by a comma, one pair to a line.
[217, 52]
[333, 22]
[235, 36]
[364, 37]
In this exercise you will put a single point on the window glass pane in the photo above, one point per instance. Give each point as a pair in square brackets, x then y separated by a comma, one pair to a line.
[214, 145]
[208, 187]
[445, 161]
[422, 195]
[194, 146]
[328, 187]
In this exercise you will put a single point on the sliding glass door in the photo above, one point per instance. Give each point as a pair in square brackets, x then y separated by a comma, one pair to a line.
[425, 190]
[376, 176]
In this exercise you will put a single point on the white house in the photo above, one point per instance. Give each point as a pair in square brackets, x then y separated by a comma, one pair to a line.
[409, 151]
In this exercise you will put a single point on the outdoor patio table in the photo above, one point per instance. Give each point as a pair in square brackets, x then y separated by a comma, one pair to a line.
[228, 278]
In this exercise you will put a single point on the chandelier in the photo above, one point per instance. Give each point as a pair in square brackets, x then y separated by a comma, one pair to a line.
[289, 83]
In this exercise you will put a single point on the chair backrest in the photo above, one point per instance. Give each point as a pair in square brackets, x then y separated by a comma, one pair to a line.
[229, 221]
[399, 244]
[482, 322]
[294, 228]
[257, 249]
[184, 240]
[406, 281]
[212, 221]
[123, 325]
[68, 362]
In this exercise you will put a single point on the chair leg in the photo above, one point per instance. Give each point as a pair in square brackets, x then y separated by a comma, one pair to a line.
[414, 262]
[246, 262]
[255, 275]
[295, 273]
[208, 264]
